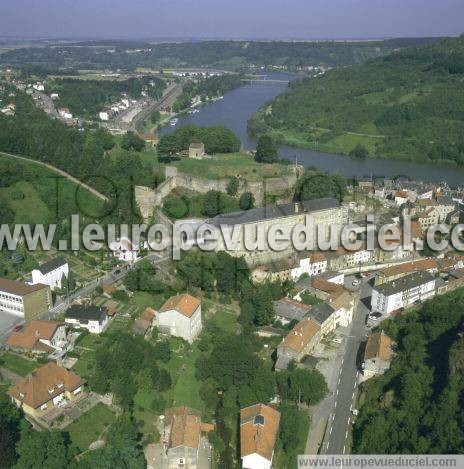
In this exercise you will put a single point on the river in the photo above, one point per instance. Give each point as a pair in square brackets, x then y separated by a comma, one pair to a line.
[238, 105]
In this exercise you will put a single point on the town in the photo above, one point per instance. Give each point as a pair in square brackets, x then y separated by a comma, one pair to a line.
[231, 234]
[322, 321]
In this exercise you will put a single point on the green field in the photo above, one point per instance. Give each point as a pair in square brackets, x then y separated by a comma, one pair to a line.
[17, 364]
[38, 195]
[90, 426]
[232, 164]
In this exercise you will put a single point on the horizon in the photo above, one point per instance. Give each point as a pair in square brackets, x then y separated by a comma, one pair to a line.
[297, 20]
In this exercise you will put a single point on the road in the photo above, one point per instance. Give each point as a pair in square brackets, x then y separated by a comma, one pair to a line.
[59, 172]
[344, 397]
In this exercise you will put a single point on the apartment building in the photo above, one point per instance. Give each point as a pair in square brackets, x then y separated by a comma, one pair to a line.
[326, 216]
[403, 292]
[23, 300]
[180, 316]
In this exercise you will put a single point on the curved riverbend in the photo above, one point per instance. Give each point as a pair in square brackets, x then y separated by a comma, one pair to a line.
[238, 105]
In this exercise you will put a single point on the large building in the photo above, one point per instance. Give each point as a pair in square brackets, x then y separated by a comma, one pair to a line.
[51, 273]
[259, 425]
[327, 217]
[48, 387]
[403, 292]
[180, 316]
[23, 300]
[300, 341]
[397, 271]
[183, 435]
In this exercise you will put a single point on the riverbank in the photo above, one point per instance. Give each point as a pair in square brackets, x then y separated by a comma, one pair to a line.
[342, 145]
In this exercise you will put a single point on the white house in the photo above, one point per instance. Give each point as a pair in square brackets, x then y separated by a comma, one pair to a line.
[104, 115]
[65, 113]
[315, 264]
[259, 425]
[38, 86]
[124, 250]
[51, 273]
[89, 317]
[180, 316]
[403, 292]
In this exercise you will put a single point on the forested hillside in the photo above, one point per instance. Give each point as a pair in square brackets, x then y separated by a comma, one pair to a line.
[225, 54]
[417, 406]
[409, 104]
[82, 154]
[86, 98]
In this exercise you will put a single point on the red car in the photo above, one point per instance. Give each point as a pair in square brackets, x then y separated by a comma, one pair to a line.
[18, 328]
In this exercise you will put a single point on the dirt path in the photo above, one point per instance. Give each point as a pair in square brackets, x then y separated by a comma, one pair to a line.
[61, 173]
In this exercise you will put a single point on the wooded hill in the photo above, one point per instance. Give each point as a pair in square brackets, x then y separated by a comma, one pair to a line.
[224, 54]
[416, 406]
[409, 104]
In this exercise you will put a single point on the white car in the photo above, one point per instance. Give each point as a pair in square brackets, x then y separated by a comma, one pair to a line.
[355, 282]
[337, 340]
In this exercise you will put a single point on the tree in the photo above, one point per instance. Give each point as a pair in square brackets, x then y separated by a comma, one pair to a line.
[359, 151]
[130, 141]
[162, 351]
[315, 185]
[301, 385]
[213, 203]
[10, 418]
[247, 201]
[232, 186]
[266, 150]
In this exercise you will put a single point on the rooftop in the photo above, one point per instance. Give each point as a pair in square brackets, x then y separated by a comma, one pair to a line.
[290, 309]
[299, 337]
[259, 425]
[19, 288]
[378, 346]
[409, 267]
[29, 336]
[185, 426]
[270, 212]
[185, 304]
[85, 313]
[321, 312]
[405, 283]
[52, 265]
[44, 384]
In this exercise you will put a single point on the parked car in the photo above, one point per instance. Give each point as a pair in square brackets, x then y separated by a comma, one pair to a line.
[375, 316]
[355, 282]
[337, 340]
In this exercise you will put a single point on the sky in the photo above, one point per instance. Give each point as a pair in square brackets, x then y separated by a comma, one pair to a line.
[235, 19]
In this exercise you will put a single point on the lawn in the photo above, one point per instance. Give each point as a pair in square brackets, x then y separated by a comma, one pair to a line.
[225, 320]
[25, 201]
[187, 387]
[232, 164]
[17, 364]
[88, 428]
[41, 194]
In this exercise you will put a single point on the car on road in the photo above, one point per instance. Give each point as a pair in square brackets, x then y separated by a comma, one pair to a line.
[18, 328]
[337, 340]
[355, 282]
[374, 316]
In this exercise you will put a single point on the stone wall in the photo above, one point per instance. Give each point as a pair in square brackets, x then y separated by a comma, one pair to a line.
[147, 199]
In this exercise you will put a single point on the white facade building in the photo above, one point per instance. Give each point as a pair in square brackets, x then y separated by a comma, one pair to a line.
[124, 250]
[89, 317]
[315, 264]
[51, 273]
[403, 292]
[180, 316]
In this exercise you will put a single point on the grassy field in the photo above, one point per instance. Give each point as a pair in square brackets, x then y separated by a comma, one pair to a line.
[316, 140]
[232, 164]
[90, 426]
[17, 364]
[39, 195]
